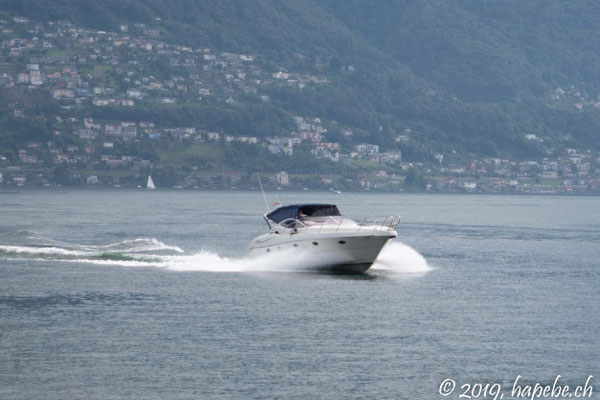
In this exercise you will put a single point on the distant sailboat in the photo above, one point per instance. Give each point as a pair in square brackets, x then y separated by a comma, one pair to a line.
[150, 184]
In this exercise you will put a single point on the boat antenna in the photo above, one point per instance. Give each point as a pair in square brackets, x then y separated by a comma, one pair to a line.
[263, 192]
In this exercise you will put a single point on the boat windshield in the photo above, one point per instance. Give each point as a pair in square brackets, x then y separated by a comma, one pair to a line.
[300, 211]
[327, 220]
[319, 210]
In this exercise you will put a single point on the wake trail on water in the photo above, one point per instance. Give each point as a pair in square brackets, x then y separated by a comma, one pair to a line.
[396, 257]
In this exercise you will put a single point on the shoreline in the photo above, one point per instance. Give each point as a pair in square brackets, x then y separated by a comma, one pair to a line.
[20, 189]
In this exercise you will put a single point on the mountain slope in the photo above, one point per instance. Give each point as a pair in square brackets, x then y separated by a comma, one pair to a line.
[467, 76]
[484, 50]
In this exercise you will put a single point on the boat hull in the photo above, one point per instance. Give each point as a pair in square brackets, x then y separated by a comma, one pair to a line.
[350, 253]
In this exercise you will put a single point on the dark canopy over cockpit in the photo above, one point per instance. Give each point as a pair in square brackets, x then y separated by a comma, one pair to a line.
[308, 210]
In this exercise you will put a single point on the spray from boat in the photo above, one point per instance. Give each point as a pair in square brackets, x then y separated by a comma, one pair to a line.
[153, 253]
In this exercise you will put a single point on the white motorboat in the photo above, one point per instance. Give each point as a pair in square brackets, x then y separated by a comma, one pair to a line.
[335, 243]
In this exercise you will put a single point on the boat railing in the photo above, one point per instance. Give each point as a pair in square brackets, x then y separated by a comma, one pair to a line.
[389, 222]
[334, 223]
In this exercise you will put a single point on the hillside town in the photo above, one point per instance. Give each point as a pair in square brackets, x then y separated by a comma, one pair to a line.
[82, 72]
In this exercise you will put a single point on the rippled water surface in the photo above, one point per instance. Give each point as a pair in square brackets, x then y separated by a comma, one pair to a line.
[146, 295]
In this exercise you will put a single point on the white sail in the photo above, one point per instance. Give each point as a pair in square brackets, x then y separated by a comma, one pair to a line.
[150, 184]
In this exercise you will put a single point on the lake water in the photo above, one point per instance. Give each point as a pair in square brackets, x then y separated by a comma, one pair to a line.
[125, 294]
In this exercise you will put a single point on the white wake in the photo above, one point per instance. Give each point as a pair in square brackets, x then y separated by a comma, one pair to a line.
[396, 257]
[401, 258]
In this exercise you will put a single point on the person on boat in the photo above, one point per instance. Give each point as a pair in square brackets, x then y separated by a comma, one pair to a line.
[299, 217]
[302, 218]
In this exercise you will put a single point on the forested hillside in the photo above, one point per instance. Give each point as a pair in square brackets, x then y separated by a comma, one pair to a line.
[363, 91]
[485, 50]
[470, 75]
